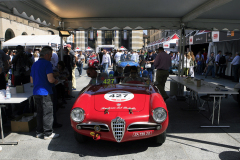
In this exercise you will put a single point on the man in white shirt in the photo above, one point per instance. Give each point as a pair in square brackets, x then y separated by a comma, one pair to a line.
[117, 56]
[235, 66]
[106, 61]
[217, 61]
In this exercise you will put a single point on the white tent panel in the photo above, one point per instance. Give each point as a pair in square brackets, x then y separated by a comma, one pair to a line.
[19, 40]
[43, 40]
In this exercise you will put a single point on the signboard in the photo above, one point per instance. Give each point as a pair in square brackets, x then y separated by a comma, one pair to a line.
[186, 41]
[166, 45]
[125, 34]
[177, 41]
[199, 39]
[91, 35]
[209, 37]
[215, 36]
[190, 40]
[228, 36]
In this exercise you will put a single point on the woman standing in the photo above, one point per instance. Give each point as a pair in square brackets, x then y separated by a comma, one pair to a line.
[187, 59]
[150, 61]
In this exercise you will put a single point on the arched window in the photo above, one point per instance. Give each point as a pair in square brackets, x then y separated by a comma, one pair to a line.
[9, 34]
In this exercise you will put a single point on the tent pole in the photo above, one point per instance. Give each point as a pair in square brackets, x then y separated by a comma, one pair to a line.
[61, 49]
[183, 52]
[180, 51]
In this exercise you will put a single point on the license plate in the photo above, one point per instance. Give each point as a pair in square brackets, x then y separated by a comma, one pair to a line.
[141, 134]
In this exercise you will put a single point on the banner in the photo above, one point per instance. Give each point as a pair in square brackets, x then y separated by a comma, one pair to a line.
[200, 39]
[91, 35]
[215, 36]
[166, 45]
[125, 34]
[209, 37]
[190, 40]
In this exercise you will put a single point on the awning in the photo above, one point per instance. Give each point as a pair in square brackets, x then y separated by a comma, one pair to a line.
[41, 40]
[95, 14]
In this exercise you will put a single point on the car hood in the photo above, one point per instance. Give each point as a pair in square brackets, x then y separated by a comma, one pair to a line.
[121, 100]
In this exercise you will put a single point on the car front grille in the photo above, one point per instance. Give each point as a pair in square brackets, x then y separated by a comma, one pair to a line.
[118, 128]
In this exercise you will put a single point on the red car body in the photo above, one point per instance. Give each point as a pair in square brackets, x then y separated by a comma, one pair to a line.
[93, 62]
[104, 112]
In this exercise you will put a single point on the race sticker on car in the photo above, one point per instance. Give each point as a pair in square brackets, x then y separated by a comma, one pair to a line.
[119, 96]
[140, 134]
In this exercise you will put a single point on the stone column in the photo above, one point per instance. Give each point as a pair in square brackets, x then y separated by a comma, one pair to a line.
[137, 39]
[80, 39]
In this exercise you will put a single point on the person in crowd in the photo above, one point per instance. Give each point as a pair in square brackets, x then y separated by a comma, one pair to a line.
[36, 57]
[54, 60]
[3, 69]
[117, 56]
[217, 61]
[124, 56]
[193, 64]
[114, 60]
[10, 53]
[200, 59]
[230, 57]
[162, 63]
[22, 63]
[42, 79]
[63, 75]
[235, 67]
[100, 57]
[118, 74]
[150, 60]
[80, 62]
[141, 61]
[210, 65]
[106, 61]
[6, 51]
[73, 61]
[187, 60]
[133, 76]
[223, 64]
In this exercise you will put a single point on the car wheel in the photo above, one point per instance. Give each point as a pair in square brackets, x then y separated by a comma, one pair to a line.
[80, 138]
[160, 139]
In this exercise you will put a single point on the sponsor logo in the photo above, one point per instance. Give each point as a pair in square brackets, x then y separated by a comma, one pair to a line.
[119, 104]
[141, 134]
[191, 40]
[119, 96]
[215, 36]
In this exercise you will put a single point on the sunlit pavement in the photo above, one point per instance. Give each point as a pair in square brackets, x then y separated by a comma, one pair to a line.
[185, 139]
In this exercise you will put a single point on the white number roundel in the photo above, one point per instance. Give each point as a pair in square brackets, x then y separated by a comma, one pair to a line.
[119, 96]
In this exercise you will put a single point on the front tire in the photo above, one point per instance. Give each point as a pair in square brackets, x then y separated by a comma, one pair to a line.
[80, 138]
[160, 139]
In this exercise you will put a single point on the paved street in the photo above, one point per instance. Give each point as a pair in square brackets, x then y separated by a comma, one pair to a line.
[185, 139]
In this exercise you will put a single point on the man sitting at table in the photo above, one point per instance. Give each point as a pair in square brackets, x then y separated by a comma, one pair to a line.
[42, 77]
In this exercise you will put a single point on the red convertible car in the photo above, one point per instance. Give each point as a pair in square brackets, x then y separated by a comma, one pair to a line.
[120, 112]
[93, 62]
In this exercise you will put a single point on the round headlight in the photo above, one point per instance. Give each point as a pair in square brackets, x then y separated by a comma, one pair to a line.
[77, 115]
[159, 115]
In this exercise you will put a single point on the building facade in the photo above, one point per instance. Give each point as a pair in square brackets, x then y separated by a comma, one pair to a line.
[12, 26]
[130, 39]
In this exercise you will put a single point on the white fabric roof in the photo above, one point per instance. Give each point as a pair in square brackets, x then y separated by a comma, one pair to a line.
[125, 14]
[42, 40]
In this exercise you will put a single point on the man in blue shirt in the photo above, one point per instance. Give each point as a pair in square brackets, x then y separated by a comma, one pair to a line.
[42, 78]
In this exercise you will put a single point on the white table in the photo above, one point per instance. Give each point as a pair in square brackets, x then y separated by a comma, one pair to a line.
[15, 98]
[207, 88]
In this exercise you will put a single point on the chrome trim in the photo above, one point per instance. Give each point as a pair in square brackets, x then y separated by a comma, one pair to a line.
[90, 125]
[118, 128]
[153, 126]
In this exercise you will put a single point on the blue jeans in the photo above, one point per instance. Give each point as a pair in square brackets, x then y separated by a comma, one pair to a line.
[105, 67]
[150, 72]
[210, 68]
[199, 70]
[80, 67]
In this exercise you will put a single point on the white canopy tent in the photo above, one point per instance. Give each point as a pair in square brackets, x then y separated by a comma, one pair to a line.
[42, 40]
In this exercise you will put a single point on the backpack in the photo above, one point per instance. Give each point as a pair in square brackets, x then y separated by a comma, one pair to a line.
[222, 60]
